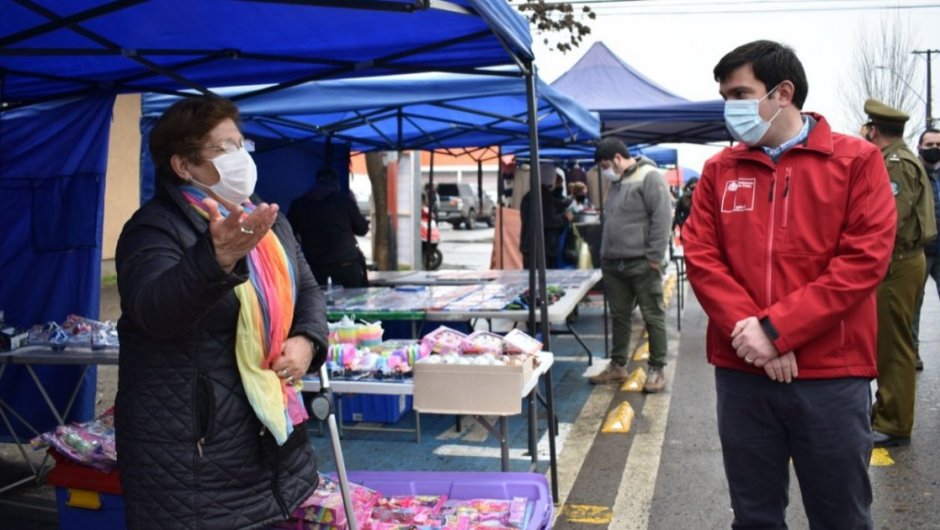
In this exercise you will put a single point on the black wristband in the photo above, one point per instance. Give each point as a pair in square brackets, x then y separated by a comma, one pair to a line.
[769, 328]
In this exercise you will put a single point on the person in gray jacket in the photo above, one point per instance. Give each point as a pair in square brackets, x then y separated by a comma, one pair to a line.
[637, 226]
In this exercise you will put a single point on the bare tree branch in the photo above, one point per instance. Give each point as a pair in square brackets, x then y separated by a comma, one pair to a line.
[886, 69]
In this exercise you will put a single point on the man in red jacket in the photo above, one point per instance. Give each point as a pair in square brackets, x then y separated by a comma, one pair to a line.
[790, 233]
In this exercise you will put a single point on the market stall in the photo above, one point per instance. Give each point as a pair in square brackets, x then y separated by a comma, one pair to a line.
[62, 67]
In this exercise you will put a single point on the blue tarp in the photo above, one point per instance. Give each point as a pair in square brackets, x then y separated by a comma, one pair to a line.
[53, 156]
[422, 111]
[634, 108]
[164, 45]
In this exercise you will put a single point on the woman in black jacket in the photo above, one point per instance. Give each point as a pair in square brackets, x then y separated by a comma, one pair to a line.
[220, 318]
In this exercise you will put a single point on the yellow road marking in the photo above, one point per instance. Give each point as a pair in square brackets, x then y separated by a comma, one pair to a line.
[587, 514]
[619, 420]
[881, 457]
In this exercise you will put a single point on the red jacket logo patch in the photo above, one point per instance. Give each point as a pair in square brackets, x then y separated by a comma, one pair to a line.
[738, 195]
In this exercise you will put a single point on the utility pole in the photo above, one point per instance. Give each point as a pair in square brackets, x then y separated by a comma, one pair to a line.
[929, 110]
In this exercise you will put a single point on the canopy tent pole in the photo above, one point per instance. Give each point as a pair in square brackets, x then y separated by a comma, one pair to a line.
[537, 250]
[600, 196]
[430, 201]
[479, 188]
[500, 188]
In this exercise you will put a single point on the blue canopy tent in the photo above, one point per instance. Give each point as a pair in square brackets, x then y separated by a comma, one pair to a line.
[419, 111]
[636, 109]
[90, 50]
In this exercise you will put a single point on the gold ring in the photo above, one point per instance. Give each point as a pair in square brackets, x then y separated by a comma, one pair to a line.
[282, 373]
[245, 230]
[290, 380]
[748, 360]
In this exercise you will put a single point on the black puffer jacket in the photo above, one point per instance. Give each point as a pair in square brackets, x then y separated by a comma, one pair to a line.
[178, 381]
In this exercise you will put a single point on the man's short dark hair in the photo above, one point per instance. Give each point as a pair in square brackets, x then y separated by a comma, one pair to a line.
[608, 147]
[931, 130]
[890, 130]
[772, 63]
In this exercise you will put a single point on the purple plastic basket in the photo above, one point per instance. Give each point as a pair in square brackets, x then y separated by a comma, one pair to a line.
[466, 485]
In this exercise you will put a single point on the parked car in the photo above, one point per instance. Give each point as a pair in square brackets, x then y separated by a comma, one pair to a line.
[458, 204]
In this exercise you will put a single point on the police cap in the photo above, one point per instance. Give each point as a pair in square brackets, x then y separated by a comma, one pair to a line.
[878, 112]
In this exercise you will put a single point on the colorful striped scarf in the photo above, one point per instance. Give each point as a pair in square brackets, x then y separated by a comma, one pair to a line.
[264, 320]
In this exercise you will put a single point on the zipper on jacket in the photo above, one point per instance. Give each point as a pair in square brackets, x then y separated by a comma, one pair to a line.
[786, 199]
[204, 400]
[770, 240]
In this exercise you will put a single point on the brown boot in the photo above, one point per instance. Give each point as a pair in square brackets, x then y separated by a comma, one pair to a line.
[614, 373]
[655, 380]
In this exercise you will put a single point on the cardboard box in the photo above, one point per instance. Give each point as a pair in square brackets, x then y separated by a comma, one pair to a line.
[469, 388]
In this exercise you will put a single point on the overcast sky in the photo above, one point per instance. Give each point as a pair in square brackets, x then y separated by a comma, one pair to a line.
[676, 43]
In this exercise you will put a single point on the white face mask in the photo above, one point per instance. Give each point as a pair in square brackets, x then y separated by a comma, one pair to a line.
[237, 176]
[610, 174]
[742, 118]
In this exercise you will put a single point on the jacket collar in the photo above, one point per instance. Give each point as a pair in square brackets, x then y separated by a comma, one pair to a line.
[819, 141]
[171, 191]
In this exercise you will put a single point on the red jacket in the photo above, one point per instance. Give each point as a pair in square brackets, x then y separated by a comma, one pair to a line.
[804, 242]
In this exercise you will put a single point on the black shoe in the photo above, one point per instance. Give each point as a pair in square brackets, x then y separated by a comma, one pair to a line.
[920, 365]
[886, 440]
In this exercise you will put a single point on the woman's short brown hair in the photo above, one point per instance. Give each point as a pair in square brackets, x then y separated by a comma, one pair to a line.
[183, 128]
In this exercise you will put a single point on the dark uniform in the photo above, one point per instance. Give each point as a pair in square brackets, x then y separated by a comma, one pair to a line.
[893, 412]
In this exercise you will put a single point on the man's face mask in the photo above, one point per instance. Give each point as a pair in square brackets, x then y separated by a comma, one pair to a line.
[742, 118]
[931, 155]
[612, 173]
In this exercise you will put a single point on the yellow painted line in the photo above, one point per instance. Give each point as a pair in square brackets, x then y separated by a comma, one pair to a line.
[619, 420]
[881, 457]
[587, 514]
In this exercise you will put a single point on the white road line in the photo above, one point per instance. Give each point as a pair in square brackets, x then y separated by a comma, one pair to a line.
[582, 434]
[635, 495]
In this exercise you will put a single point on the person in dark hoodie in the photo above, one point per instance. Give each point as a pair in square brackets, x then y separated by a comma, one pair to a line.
[326, 221]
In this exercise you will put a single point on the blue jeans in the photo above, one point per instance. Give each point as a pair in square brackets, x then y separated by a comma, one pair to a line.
[822, 425]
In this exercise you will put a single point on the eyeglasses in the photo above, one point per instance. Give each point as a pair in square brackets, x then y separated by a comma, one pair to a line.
[228, 146]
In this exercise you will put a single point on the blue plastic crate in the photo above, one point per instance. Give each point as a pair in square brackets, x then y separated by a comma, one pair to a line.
[109, 515]
[375, 408]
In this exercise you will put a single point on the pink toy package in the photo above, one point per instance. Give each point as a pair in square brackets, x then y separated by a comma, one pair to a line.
[482, 342]
[442, 340]
[323, 510]
[409, 510]
[518, 341]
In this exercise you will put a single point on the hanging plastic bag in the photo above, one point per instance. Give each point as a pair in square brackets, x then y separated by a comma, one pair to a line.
[584, 250]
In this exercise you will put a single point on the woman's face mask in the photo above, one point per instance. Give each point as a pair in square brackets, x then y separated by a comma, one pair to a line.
[237, 175]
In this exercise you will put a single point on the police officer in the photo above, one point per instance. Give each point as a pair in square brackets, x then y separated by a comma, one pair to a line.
[893, 412]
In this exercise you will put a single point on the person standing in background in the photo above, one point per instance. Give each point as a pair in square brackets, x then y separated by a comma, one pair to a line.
[635, 235]
[554, 219]
[893, 412]
[929, 150]
[326, 222]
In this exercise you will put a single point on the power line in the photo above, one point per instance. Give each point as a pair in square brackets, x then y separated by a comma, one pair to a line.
[642, 7]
